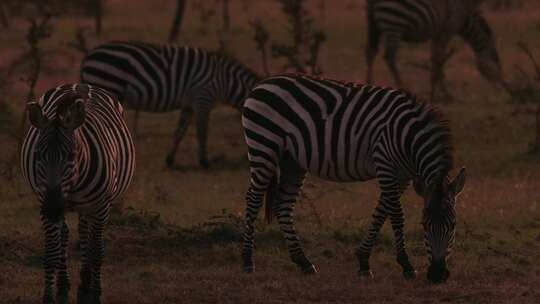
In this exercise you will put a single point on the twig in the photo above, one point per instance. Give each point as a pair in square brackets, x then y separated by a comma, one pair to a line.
[261, 39]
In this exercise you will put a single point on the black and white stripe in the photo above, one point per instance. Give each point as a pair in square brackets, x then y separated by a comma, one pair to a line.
[77, 155]
[347, 132]
[163, 78]
[435, 20]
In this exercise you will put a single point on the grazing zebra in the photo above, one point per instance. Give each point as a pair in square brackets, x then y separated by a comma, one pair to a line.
[349, 132]
[163, 78]
[78, 155]
[435, 20]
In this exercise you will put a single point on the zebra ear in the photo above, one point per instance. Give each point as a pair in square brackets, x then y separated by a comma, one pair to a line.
[35, 115]
[457, 185]
[72, 116]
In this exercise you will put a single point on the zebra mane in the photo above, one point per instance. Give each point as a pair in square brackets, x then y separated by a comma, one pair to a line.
[229, 59]
[442, 127]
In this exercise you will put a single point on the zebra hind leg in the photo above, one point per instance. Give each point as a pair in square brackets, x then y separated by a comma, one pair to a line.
[261, 177]
[254, 200]
[291, 182]
[183, 123]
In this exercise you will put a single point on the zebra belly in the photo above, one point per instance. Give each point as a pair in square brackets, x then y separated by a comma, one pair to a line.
[352, 163]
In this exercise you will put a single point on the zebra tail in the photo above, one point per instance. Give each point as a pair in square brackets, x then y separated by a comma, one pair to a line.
[270, 197]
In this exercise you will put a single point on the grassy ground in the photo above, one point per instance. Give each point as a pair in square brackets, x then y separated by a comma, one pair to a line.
[178, 240]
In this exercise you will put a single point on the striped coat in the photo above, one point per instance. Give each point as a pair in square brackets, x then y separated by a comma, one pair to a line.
[437, 21]
[77, 155]
[346, 132]
[164, 78]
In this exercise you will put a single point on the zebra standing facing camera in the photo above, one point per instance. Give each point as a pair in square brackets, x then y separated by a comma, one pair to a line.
[164, 78]
[347, 132]
[77, 155]
[436, 20]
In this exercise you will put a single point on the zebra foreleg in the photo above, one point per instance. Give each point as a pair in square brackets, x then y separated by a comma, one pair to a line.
[62, 279]
[183, 123]
[202, 113]
[397, 221]
[52, 255]
[83, 247]
[91, 293]
[290, 185]
[364, 251]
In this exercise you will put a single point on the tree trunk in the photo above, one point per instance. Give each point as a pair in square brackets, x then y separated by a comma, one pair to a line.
[264, 57]
[177, 22]
[4, 16]
[98, 14]
[536, 146]
[226, 16]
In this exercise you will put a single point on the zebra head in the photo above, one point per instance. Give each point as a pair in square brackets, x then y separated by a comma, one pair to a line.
[439, 221]
[56, 151]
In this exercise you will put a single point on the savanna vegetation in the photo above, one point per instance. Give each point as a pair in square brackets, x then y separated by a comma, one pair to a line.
[178, 237]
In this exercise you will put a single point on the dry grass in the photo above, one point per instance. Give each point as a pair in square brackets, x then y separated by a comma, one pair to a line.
[174, 259]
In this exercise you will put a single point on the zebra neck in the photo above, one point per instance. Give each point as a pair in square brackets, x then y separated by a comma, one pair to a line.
[238, 87]
[234, 81]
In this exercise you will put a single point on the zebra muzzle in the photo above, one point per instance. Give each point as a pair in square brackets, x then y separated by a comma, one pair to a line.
[438, 273]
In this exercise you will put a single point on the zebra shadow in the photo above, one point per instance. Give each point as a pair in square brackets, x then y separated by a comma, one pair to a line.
[216, 163]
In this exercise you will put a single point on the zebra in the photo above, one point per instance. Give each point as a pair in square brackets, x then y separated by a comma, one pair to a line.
[78, 155]
[164, 78]
[436, 20]
[347, 132]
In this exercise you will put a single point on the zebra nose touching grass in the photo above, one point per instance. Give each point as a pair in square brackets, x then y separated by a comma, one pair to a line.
[439, 221]
[166, 78]
[77, 155]
[346, 132]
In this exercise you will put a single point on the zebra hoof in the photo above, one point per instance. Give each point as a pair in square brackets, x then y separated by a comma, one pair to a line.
[366, 274]
[86, 296]
[248, 269]
[62, 297]
[48, 299]
[310, 269]
[410, 275]
[169, 161]
[204, 163]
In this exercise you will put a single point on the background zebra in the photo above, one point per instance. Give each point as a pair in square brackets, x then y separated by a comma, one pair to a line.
[163, 78]
[77, 155]
[348, 132]
[435, 20]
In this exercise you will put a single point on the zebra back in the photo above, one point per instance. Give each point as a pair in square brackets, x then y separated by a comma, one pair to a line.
[161, 78]
[345, 131]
